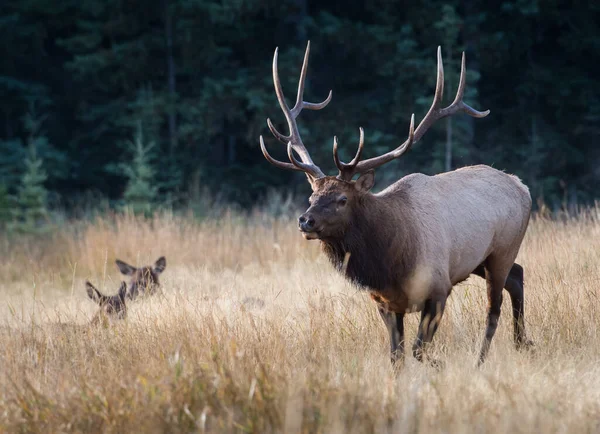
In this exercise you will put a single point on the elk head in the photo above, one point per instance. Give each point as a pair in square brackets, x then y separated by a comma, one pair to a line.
[144, 280]
[336, 198]
[112, 307]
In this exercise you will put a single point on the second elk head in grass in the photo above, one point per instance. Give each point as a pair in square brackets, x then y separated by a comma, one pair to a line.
[144, 280]
[112, 307]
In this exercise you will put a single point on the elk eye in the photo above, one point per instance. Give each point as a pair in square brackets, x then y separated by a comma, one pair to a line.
[342, 200]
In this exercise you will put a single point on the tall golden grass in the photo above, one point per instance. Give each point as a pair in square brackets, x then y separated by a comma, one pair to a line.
[207, 355]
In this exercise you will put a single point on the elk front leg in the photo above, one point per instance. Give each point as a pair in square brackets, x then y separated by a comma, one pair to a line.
[395, 325]
[430, 320]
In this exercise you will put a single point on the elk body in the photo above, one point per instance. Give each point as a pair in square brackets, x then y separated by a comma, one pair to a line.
[144, 280]
[409, 244]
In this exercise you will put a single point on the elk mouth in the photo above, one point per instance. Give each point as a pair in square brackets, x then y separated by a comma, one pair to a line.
[310, 235]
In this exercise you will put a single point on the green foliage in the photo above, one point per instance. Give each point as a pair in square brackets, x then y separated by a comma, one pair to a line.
[5, 206]
[141, 191]
[29, 212]
[196, 74]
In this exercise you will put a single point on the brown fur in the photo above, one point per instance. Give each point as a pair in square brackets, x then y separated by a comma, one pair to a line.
[365, 236]
[144, 280]
[112, 307]
[412, 242]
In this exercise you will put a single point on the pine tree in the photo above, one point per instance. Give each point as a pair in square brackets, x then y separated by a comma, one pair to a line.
[30, 212]
[141, 191]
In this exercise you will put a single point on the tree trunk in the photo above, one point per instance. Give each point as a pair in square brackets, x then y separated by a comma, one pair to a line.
[448, 165]
[231, 150]
[171, 83]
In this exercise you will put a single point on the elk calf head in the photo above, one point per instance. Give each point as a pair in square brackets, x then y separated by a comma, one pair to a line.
[144, 280]
[112, 307]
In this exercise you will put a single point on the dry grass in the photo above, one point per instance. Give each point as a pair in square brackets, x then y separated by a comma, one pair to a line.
[314, 358]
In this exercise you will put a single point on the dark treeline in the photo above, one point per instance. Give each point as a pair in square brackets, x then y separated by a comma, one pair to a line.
[186, 86]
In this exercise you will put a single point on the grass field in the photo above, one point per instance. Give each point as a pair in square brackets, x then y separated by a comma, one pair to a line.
[254, 332]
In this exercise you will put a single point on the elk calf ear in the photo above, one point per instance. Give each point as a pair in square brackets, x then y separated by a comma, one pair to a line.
[365, 181]
[124, 268]
[93, 293]
[160, 265]
[123, 291]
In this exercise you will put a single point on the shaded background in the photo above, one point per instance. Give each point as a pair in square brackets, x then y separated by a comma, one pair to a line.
[171, 96]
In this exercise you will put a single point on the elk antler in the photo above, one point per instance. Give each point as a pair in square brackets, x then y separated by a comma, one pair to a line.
[347, 171]
[293, 140]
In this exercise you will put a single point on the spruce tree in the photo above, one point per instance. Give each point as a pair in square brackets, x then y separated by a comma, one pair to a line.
[30, 212]
[141, 190]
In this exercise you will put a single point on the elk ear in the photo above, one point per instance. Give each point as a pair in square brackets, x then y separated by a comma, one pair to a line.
[93, 293]
[365, 181]
[124, 268]
[311, 181]
[123, 291]
[160, 265]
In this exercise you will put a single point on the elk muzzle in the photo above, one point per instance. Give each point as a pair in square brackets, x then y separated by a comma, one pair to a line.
[306, 224]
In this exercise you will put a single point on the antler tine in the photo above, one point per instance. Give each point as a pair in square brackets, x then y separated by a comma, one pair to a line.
[409, 142]
[301, 81]
[277, 84]
[434, 113]
[462, 82]
[293, 140]
[439, 83]
[300, 103]
[310, 169]
[349, 167]
[362, 166]
[437, 97]
[273, 161]
[361, 145]
[318, 105]
[458, 99]
[281, 137]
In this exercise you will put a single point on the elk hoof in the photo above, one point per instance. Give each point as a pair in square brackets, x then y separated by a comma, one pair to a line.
[397, 359]
[436, 364]
[525, 345]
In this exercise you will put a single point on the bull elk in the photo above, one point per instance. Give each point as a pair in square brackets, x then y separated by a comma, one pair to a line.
[144, 280]
[409, 244]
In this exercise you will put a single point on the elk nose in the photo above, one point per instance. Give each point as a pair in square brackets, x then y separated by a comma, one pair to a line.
[306, 222]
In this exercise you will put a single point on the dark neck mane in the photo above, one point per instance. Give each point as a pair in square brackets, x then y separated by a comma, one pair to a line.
[374, 251]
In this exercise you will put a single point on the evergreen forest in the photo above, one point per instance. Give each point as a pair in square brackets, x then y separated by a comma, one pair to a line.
[159, 103]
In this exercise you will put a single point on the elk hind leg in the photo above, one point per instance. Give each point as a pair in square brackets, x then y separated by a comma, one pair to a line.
[514, 286]
[495, 276]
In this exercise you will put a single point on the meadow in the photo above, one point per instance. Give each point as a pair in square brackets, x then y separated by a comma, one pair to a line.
[253, 331]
